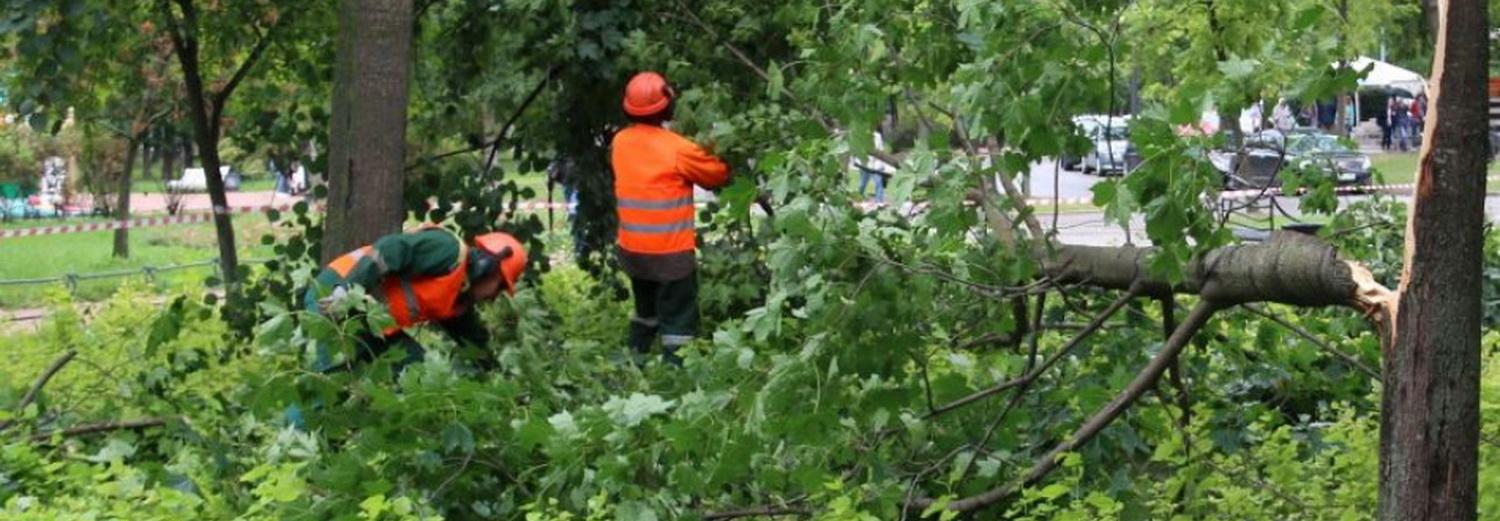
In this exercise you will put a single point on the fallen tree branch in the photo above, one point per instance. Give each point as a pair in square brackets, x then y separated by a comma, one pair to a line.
[1037, 371]
[765, 511]
[1143, 382]
[98, 427]
[1289, 268]
[36, 386]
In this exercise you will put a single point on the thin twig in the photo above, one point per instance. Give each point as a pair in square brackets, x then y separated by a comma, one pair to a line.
[489, 162]
[1349, 359]
[1143, 382]
[1025, 378]
[493, 143]
[764, 511]
[36, 386]
[98, 427]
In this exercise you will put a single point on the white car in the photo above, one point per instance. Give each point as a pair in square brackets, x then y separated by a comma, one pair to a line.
[1109, 135]
[1110, 141]
[194, 180]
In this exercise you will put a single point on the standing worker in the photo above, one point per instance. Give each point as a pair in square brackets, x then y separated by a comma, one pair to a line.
[655, 170]
[427, 275]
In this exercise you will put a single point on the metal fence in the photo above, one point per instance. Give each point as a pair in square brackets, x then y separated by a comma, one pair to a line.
[71, 280]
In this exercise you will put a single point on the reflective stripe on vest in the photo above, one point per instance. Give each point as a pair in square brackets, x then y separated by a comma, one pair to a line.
[412, 301]
[671, 227]
[652, 199]
[346, 262]
[654, 204]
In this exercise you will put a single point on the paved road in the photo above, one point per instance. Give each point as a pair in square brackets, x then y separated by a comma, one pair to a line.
[1047, 179]
[156, 202]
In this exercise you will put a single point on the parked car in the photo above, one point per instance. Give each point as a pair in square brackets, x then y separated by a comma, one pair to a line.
[1314, 149]
[1323, 151]
[1084, 125]
[1110, 145]
[1254, 167]
[1111, 139]
[194, 180]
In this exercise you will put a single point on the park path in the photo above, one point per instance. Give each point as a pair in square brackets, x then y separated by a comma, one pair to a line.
[156, 202]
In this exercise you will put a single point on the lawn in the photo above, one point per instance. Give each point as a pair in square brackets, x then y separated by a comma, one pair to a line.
[52, 256]
[1400, 168]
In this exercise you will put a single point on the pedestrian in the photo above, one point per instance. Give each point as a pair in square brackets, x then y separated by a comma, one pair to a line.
[1281, 116]
[426, 275]
[1383, 119]
[655, 171]
[1417, 110]
[1351, 115]
[563, 171]
[874, 169]
[1400, 117]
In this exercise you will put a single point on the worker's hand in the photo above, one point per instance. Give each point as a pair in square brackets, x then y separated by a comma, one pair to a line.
[333, 300]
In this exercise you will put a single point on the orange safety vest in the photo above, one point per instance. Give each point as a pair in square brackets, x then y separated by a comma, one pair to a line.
[412, 301]
[655, 170]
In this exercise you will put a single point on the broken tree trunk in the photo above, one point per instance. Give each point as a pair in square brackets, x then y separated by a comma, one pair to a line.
[1429, 422]
[1290, 268]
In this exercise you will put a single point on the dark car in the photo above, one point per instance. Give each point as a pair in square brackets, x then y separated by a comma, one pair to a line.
[1311, 149]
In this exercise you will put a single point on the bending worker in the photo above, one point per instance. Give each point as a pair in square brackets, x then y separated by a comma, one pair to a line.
[427, 275]
[655, 170]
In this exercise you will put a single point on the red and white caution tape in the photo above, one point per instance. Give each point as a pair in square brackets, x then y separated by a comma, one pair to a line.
[537, 206]
[143, 222]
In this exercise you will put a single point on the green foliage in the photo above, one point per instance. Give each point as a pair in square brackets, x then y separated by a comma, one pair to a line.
[832, 332]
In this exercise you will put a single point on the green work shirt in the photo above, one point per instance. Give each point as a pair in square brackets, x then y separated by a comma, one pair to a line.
[423, 253]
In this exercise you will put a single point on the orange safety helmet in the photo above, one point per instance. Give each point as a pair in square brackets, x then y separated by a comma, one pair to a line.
[508, 251]
[647, 93]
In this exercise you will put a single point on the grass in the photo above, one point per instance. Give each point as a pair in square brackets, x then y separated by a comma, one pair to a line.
[1401, 168]
[51, 256]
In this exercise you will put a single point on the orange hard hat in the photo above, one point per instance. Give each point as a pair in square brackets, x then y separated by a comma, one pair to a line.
[508, 252]
[647, 93]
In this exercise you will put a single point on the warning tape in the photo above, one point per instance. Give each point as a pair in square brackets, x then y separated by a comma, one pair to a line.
[142, 222]
[535, 206]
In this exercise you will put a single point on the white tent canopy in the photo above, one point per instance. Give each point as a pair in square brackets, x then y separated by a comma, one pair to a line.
[1383, 74]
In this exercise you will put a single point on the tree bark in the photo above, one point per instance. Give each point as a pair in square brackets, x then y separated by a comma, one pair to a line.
[370, 98]
[188, 158]
[1429, 426]
[168, 157]
[206, 134]
[1290, 268]
[122, 200]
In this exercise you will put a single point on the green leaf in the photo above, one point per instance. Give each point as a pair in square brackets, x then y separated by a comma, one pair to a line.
[458, 437]
[166, 327]
[634, 511]
[1054, 491]
[1237, 68]
[274, 330]
[775, 82]
[630, 412]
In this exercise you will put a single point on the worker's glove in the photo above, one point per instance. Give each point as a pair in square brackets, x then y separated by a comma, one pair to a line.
[334, 299]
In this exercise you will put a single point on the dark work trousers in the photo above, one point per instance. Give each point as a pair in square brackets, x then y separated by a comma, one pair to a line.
[666, 308]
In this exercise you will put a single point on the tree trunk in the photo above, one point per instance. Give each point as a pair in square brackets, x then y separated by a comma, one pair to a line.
[168, 154]
[1429, 426]
[148, 158]
[1340, 127]
[1431, 14]
[122, 200]
[205, 113]
[370, 97]
[188, 158]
